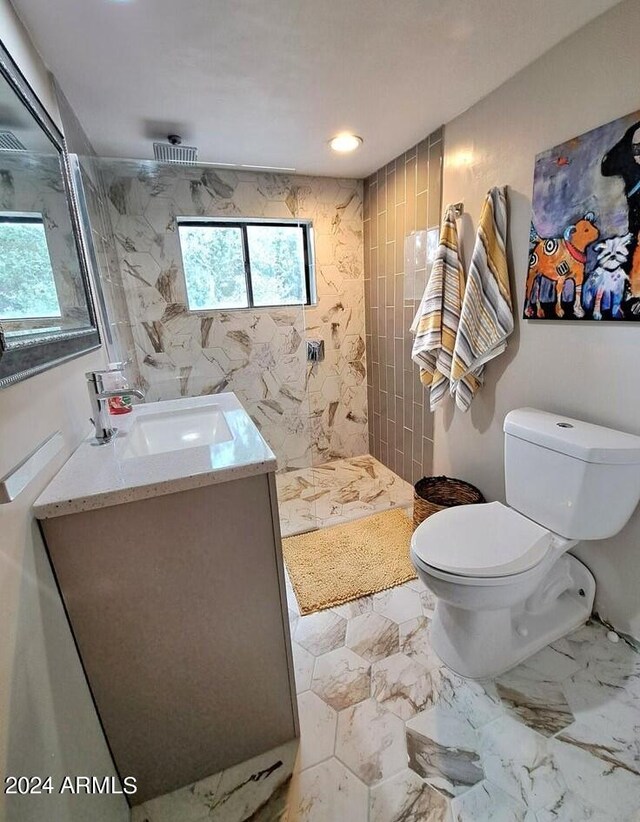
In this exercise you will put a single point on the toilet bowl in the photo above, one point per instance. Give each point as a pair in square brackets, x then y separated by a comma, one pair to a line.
[504, 583]
[505, 587]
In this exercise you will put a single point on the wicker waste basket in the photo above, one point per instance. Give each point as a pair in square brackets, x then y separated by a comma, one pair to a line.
[432, 494]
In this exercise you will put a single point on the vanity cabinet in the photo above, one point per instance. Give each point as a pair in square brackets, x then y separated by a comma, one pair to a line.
[177, 604]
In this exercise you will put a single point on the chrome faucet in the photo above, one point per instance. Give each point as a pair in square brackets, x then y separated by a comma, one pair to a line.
[98, 397]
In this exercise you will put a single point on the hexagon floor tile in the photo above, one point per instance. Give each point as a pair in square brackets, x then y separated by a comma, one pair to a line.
[402, 685]
[443, 749]
[399, 604]
[341, 678]
[321, 632]
[371, 741]
[372, 636]
[389, 734]
[406, 797]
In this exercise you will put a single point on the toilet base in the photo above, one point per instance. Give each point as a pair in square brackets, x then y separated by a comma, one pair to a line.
[484, 644]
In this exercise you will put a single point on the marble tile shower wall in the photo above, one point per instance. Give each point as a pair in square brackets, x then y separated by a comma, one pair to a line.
[402, 197]
[307, 414]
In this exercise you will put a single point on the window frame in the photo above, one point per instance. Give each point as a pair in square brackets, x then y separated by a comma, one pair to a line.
[30, 218]
[243, 224]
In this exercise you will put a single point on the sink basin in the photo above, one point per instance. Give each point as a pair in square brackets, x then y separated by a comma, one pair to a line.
[177, 430]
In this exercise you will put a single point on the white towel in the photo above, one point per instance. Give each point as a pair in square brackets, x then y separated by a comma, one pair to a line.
[436, 323]
[486, 318]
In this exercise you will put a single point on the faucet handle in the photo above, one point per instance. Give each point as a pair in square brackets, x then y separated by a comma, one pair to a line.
[117, 366]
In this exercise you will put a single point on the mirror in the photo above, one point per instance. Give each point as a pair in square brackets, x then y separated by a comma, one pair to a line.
[46, 313]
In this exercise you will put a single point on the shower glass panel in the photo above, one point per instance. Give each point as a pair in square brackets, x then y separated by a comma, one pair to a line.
[205, 293]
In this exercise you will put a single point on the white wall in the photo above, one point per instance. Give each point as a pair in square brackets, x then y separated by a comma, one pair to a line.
[47, 721]
[589, 370]
[19, 45]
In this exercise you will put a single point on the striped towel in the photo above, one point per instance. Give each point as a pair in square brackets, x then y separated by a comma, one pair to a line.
[436, 322]
[486, 319]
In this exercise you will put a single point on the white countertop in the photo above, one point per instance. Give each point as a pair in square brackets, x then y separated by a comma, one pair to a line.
[97, 476]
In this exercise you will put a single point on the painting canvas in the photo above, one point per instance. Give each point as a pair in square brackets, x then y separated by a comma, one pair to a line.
[584, 261]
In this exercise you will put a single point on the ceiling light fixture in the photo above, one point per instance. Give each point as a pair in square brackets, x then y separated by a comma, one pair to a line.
[345, 142]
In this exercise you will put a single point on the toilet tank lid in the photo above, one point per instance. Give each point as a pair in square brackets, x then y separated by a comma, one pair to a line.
[578, 439]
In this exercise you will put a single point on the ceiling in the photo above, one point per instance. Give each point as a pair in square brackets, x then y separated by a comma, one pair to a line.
[268, 82]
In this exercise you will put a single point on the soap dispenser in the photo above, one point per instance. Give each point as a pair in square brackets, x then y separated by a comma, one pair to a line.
[112, 380]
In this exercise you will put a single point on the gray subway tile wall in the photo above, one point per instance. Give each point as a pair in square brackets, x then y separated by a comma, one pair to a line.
[402, 197]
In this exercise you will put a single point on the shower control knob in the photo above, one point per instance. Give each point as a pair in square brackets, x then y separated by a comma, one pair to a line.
[315, 350]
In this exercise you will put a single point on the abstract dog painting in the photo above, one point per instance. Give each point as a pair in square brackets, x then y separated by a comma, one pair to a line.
[584, 258]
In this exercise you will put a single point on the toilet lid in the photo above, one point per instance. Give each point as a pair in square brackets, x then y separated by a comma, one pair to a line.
[487, 540]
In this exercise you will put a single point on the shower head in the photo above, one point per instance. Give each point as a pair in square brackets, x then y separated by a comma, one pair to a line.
[174, 152]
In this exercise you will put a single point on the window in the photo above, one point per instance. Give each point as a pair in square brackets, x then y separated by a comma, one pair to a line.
[245, 264]
[27, 285]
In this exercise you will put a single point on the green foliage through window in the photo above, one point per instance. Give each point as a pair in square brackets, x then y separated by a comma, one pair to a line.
[244, 264]
[27, 285]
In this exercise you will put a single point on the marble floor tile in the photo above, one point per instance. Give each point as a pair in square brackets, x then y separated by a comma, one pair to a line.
[292, 602]
[600, 682]
[372, 636]
[610, 789]
[401, 685]
[328, 792]
[293, 620]
[417, 585]
[336, 492]
[519, 760]
[321, 632]
[487, 802]
[390, 734]
[363, 605]
[303, 663]
[426, 597]
[570, 808]
[180, 805]
[428, 601]
[234, 795]
[592, 650]
[548, 665]
[608, 729]
[472, 755]
[415, 643]
[317, 730]
[371, 741]
[406, 798]
[399, 604]
[341, 678]
[472, 700]
[444, 749]
[245, 788]
[539, 702]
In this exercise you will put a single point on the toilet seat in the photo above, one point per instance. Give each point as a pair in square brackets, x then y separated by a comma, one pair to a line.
[483, 541]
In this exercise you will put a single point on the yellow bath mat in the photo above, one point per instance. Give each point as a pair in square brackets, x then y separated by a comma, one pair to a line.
[335, 565]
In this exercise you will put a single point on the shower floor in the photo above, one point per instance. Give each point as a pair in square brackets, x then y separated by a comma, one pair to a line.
[336, 492]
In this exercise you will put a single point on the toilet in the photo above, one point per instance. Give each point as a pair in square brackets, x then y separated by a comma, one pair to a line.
[505, 583]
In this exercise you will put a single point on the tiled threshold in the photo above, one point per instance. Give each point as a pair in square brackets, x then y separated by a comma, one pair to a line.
[337, 492]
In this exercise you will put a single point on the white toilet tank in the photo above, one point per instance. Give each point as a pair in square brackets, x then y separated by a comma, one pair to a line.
[579, 480]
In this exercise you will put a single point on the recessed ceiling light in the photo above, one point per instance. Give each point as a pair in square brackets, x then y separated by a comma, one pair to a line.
[345, 142]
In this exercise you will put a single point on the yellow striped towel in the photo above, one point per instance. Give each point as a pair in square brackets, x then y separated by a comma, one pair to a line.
[436, 323]
[486, 319]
